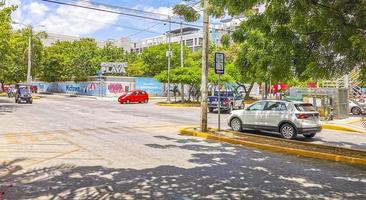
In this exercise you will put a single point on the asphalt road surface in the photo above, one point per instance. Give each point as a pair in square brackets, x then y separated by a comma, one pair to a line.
[77, 148]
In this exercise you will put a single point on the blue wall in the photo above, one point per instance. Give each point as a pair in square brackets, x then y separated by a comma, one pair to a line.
[83, 88]
[150, 85]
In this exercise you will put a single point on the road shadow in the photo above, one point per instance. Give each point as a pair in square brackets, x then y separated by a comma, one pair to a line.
[221, 172]
[7, 106]
[316, 139]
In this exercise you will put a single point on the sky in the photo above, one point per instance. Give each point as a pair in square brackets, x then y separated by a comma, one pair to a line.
[68, 20]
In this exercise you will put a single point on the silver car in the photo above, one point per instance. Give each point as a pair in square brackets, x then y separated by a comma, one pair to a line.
[286, 117]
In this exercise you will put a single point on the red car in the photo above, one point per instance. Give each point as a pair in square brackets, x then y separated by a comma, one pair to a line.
[134, 96]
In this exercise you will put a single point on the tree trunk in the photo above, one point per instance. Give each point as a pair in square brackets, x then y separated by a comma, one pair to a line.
[247, 91]
[189, 92]
[204, 78]
[182, 92]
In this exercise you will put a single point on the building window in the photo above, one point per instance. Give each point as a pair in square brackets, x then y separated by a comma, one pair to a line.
[195, 41]
[200, 41]
[189, 42]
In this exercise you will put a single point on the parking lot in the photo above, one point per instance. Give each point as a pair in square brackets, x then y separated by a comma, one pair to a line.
[64, 148]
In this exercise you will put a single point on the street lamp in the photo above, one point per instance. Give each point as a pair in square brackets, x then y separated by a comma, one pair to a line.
[29, 75]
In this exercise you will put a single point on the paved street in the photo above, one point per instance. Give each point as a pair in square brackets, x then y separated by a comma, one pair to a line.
[78, 148]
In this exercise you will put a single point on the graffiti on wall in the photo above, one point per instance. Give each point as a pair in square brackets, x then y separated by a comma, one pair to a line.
[115, 88]
[72, 88]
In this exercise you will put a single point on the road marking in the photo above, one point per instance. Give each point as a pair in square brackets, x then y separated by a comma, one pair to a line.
[51, 158]
[48, 135]
[11, 138]
[31, 137]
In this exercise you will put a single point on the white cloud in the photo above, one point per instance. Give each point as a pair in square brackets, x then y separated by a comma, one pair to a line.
[66, 20]
[12, 2]
[160, 10]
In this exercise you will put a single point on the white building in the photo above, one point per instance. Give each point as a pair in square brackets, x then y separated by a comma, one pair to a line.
[53, 38]
[192, 38]
[122, 42]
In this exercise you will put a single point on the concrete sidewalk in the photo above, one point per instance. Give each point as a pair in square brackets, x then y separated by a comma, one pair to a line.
[350, 124]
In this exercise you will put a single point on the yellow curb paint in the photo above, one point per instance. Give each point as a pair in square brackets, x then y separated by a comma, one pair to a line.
[11, 138]
[178, 105]
[305, 153]
[341, 128]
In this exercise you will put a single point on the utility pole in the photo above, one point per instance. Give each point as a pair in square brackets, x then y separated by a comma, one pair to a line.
[29, 77]
[204, 76]
[181, 57]
[169, 57]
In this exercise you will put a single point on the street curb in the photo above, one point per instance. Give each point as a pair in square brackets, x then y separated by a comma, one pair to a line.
[178, 105]
[354, 121]
[299, 152]
[338, 127]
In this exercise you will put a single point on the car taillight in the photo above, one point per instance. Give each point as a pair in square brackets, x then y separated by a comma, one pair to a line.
[304, 116]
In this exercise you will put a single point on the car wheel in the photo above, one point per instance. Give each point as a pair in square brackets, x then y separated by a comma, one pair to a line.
[309, 136]
[30, 101]
[356, 111]
[235, 124]
[288, 131]
[210, 110]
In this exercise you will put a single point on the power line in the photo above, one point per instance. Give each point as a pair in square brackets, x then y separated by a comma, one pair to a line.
[127, 14]
[123, 8]
[144, 30]
[118, 25]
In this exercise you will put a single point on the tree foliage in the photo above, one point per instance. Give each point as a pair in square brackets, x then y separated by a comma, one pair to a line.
[318, 39]
[155, 59]
[5, 31]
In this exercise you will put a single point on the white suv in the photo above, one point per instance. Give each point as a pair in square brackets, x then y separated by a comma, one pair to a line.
[286, 117]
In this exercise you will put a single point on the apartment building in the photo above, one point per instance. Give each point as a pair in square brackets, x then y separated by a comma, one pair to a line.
[191, 37]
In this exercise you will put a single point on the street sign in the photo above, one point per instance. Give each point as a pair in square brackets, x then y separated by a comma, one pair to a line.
[219, 69]
[219, 63]
[169, 53]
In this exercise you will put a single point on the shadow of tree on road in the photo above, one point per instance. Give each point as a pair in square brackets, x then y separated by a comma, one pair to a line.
[222, 172]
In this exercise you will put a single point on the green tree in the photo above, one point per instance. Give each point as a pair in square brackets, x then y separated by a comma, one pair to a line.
[318, 39]
[18, 64]
[111, 53]
[155, 60]
[6, 32]
[75, 61]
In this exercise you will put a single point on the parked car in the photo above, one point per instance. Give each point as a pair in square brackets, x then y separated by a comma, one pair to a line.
[286, 117]
[229, 101]
[357, 108]
[23, 94]
[134, 96]
[34, 88]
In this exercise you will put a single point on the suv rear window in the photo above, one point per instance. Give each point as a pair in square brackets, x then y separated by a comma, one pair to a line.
[305, 107]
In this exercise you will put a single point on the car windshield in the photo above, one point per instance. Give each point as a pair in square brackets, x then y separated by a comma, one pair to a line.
[23, 91]
[305, 107]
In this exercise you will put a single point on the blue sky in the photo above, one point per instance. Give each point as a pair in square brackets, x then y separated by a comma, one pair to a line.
[67, 20]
